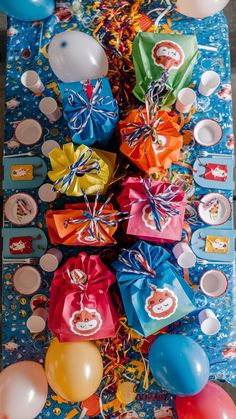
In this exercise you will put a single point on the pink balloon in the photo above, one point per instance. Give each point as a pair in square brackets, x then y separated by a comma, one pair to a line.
[23, 390]
[211, 403]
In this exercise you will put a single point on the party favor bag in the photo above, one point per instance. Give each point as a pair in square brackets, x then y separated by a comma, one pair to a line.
[150, 138]
[81, 169]
[156, 209]
[90, 109]
[154, 295]
[88, 223]
[81, 307]
[167, 59]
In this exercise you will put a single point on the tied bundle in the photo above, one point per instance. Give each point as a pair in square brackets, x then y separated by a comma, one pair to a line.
[81, 169]
[91, 111]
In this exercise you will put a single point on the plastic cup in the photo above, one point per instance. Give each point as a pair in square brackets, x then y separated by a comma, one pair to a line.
[210, 80]
[28, 132]
[48, 146]
[214, 283]
[32, 81]
[185, 100]
[48, 106]
[184, 255]
[46, 193]
[51, 260]
[209, 323]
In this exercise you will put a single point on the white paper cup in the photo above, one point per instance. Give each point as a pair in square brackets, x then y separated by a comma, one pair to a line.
[213, 283]
[28, 132]
[184, 255]
[46, 193]
[27, 280]
[41, 312]
[48, 106]
[209, 323]
[210, 80]
[32, 81]
[51, 260]
[185, 100]
[35, 324]
[207, 132]
[48, 146]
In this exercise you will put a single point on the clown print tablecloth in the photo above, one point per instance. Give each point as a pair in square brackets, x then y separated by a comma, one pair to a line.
[115, 24]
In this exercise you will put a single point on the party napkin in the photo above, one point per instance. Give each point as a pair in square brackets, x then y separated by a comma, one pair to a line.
[166, 58]
[150, 138]
[154, 295]
[90, 109]
[80, 169]
[90, 224]
[156, 209]
[81, 307]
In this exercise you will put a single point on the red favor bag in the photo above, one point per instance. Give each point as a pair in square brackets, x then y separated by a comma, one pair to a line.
[81, 307]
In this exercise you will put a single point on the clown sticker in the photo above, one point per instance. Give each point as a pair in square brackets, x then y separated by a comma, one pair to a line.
[161, 304]
[168, 55]
[85, 322]
[148, 219]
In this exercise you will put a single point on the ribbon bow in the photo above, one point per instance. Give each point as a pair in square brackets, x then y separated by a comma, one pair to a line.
[136, 263]
[85, 107]
[79, 168]
[96, 218]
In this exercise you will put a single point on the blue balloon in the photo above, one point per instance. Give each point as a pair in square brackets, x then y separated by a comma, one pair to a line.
[179, 364]
[28, 10]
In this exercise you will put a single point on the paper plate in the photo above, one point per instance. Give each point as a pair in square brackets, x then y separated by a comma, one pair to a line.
[28, 132]
[207, 132]
[20, 209]
[27, 280]
[214, 209]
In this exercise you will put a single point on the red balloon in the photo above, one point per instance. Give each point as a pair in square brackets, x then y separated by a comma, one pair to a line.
[211, 403]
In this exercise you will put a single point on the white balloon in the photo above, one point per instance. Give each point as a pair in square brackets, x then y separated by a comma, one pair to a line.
[75, 56]
[200, 9]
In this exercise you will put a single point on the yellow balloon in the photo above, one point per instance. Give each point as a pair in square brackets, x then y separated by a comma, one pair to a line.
[74, 369]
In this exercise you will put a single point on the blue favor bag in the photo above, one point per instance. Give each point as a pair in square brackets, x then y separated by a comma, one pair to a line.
[90, 109]
[153, 293]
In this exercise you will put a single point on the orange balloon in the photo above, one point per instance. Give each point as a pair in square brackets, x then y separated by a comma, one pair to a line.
[74, 369]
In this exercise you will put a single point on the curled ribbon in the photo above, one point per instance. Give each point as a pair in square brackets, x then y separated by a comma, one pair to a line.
[79, 168]
[136, 263]
[96, 218]
[85, 107]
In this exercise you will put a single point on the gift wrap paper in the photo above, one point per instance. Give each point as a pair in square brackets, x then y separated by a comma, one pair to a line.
[27, 48]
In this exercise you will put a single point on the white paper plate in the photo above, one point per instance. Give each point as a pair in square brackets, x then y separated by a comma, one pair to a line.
[27, 280]
[28, 132]
[207, 132]
[214, 209]
[20, 209]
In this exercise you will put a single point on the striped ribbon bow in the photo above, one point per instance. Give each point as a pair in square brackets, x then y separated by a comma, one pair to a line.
[136, 263]
[79, 168]
[162, 204]
[96, 219]
[149, 123]
[83, 108]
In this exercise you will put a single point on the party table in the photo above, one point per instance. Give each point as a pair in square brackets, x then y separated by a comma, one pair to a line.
[27, 48]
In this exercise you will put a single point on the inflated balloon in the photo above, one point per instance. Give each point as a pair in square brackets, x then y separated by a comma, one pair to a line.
[76, 56]
[211, 403]
[23, 390]
[179, 364]
[74, 370]
[200, 9]
[28, 10]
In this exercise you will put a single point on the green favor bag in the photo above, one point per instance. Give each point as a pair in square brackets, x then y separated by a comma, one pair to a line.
[168, 59]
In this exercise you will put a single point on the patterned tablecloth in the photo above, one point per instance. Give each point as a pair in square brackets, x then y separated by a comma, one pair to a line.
[27, 49]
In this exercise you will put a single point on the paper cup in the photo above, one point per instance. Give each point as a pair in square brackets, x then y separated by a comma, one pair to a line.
[48, 106]
[210, 80]
[214, 283]
[207, 132]
[185, 100]
[27, 280]
[209, 323]
[46, 193]
[28, 132]
[41, 312]
[50, 261]
[35, 324]
[184, 255]
[32, 81]
[48, 146]
[38, 301]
